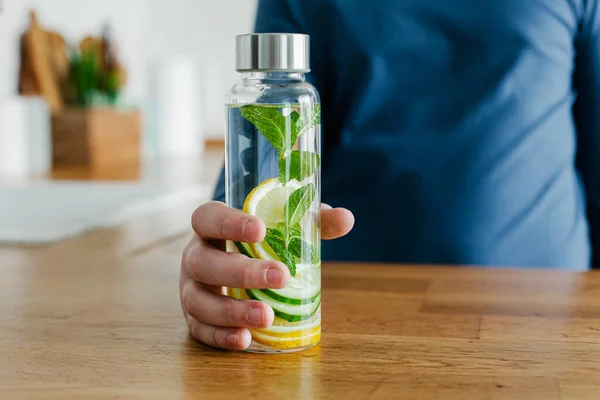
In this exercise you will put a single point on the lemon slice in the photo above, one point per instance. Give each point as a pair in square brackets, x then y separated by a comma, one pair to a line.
[267, 201]
[290, 340]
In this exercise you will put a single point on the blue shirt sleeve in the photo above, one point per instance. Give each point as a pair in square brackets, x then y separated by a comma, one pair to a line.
[587, 117]
[271, 16]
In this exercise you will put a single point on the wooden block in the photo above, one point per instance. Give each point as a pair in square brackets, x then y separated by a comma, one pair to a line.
[96, 139]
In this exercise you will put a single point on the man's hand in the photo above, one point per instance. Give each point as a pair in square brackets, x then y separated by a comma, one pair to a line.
[212, 317]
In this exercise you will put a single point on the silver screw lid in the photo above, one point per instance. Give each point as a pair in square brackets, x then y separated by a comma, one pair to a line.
[272, 52]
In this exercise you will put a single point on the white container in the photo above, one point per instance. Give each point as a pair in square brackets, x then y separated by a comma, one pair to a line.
[176, 123]
[25, 137]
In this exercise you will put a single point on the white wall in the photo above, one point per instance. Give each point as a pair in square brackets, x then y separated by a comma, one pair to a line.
[205, 31]
[145, 30]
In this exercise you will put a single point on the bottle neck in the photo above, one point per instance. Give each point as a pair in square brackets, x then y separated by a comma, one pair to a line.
[273, 76]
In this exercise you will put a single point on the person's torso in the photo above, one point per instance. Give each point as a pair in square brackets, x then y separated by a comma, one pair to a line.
[448, 130]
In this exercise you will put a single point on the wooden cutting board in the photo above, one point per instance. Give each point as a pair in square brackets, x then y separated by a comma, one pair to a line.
[38, 52]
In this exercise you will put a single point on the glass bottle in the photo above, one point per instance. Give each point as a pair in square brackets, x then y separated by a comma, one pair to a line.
[273, 172]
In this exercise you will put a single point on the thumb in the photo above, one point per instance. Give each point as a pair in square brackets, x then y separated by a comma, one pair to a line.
[335, 222]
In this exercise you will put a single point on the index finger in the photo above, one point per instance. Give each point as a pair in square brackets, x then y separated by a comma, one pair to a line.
[214, 220]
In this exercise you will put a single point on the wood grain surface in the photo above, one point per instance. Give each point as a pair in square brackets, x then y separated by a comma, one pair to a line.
[99, 317]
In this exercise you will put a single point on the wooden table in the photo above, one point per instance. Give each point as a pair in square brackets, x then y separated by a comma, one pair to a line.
[99, 317]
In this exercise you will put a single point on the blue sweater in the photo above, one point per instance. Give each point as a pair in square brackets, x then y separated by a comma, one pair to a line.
[463, 131]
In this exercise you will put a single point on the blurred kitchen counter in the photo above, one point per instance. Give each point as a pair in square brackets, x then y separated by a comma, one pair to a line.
[203, 169]
[38, 210]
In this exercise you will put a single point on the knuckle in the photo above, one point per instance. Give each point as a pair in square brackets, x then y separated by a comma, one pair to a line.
[215, 338]
[226, 224]
[203, 207]
[189, 300]
[202, 211]
[196, 215]
[194, 328]
[209, 335]
[229, 313]
[206, 335]
[237, 258]
[186, 256]
[191, 260]
[246, 278]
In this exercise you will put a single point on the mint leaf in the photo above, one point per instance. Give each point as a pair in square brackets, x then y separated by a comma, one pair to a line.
[295, 117]
[270, 123]
[300, 248]
[298, 165]
[290, 232]
[276, 233]
[273, 125]
[283, 228]
[309, 118]
[296, 231]
[275, 240]
[298, 203]
[297, 246]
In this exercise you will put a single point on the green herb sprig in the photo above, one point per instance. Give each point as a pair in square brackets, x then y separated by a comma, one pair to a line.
[283, 133]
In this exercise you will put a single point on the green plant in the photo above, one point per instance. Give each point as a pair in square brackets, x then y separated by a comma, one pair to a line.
[89, 84]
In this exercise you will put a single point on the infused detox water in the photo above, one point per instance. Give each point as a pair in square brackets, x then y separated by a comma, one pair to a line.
[273, 173]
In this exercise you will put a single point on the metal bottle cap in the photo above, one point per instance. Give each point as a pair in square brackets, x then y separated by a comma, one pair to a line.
[272, 52]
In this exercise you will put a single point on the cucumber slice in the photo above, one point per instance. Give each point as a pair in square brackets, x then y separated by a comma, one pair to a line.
[244, 249]
[288, 312]
[275, 295]
[303, 327]
[297, 318]
[299, 290]
[283, 307]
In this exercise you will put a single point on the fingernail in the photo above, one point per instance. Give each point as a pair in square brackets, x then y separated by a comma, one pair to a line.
[249, 227]
[255, 316]
[245, 339]
[274, 277]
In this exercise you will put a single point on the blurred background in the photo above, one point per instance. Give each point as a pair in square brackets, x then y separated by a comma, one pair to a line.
[111, 109]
